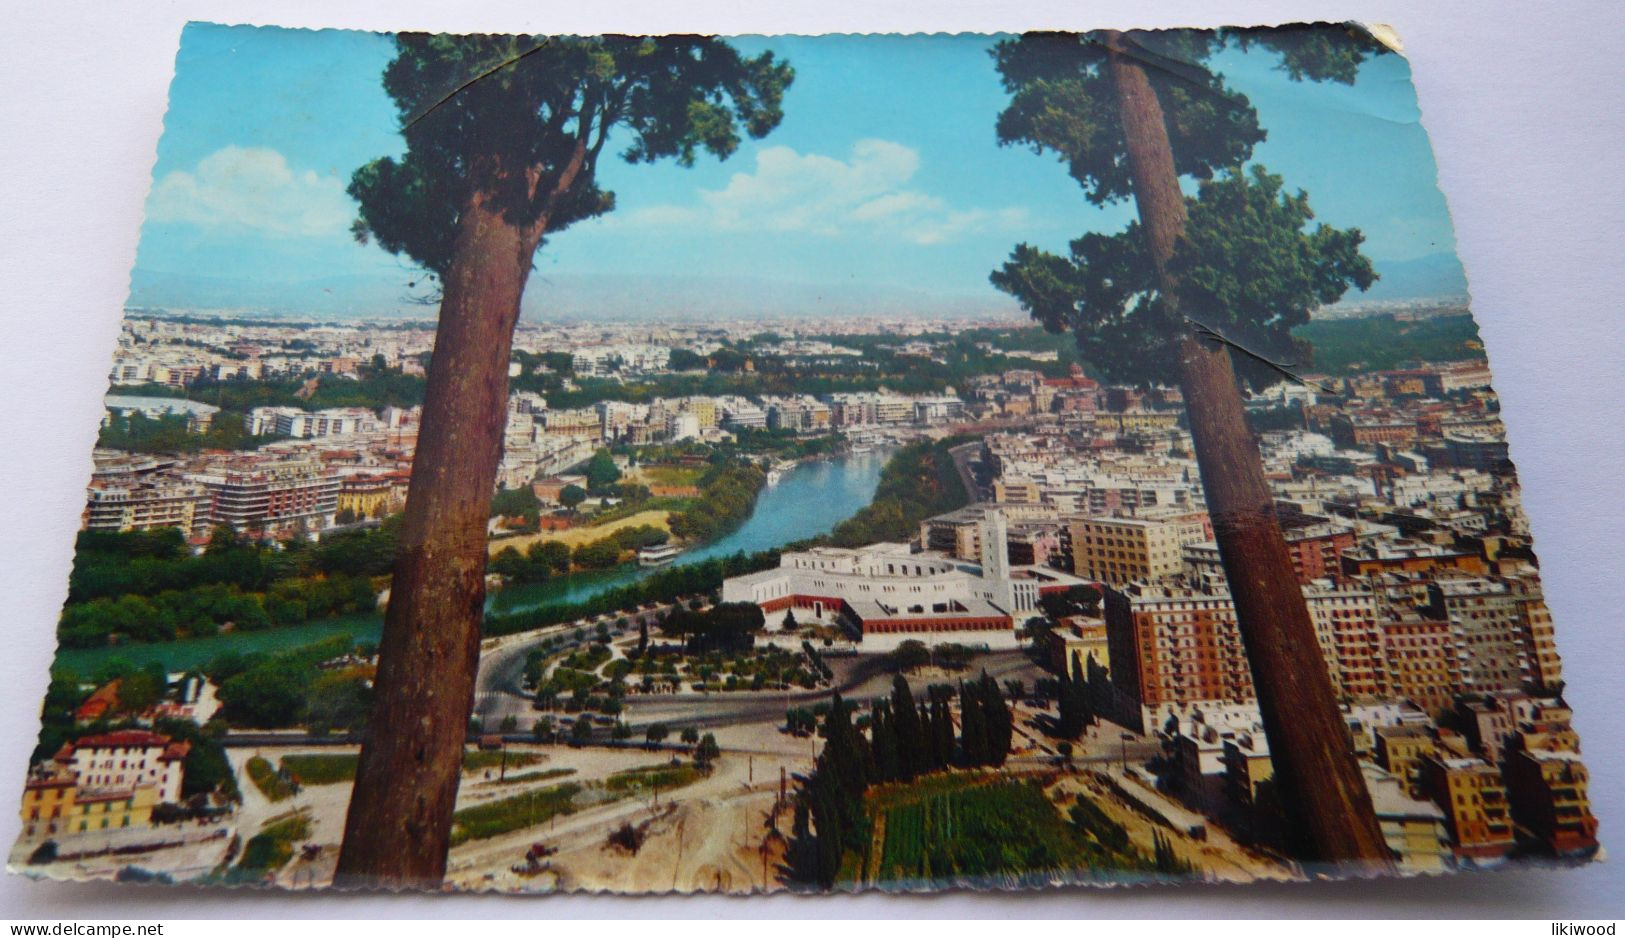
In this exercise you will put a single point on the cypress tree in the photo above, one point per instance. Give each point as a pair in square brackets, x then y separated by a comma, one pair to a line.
[1000, 725]
[943, 727]
[972, 727]
[910, 737]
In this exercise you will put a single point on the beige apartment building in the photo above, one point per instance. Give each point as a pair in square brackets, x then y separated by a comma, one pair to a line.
[1119, 551]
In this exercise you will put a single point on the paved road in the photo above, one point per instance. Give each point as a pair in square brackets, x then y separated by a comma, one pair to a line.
[963, 454]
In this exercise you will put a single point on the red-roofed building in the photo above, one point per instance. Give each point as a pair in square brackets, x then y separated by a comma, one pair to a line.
[125, 759]
[100, 703]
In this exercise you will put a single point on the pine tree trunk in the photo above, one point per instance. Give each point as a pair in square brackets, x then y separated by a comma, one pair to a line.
[398, 829]
[1316, 772]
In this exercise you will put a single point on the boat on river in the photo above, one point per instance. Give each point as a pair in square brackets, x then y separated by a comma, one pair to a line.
[658, 555]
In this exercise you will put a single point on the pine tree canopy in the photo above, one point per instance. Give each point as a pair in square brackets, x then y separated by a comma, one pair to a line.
[1249, 268]
[522, 120]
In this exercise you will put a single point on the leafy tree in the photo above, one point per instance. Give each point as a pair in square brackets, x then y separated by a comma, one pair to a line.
[690, 735]
[656, 733]
[683, 359]
[142, 689]
[707, 752]
[553, 555]
[1231, 266]
[503, 136]
[601, 471]
[910, 655]
[580, 731]
[571, 496]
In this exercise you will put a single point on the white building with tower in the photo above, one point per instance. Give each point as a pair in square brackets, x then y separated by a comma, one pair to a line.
[888, 593]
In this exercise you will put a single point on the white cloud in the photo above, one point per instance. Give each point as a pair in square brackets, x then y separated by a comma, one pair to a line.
[252, 187]
[808, 192]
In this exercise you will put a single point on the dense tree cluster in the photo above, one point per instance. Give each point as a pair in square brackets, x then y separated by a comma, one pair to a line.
[545, 559]
[907, 739]
[138, 433]
[659, 587]
[146, 586]
[727, 497]
[725, 627]
[372, 389]
[1075, 708]
[601, 471]
[270, 690]
[921, 480]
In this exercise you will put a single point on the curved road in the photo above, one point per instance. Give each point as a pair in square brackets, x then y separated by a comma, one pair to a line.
[499, 692]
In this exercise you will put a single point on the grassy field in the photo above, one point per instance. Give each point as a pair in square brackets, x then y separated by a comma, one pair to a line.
[266, 779]
[667, 475]
[267, 851]
[661, 777]
[654, 518]
[957, 827]
[331, 768]
[516, 813]
[541, 805]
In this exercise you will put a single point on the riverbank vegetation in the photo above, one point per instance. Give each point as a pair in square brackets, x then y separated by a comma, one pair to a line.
[147, 586]
[920, 481]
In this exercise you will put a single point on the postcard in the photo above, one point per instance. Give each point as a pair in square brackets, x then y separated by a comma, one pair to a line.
[680, 463]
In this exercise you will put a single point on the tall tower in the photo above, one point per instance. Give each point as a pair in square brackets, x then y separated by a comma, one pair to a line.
[999, 588]
[995, 545]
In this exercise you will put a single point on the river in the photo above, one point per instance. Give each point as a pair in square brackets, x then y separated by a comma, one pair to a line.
[807, 501]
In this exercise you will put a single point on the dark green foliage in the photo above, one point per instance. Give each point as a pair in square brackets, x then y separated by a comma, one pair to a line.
[516, 503]
[144, 586]
[267, 691]
[1380, 342]
[1076, 601]
[141, 689]
[1062, 101]
[63, 695]
[910, 655]
[1075, 712]
[507, 116]
[267, 851]
[727, 497]
[919, 481]
[601, 471]
[1248, 269]
[494, 818]
[707, 752]
[597, 555]
[138, 433]
[964, 829]
[684, 360]
[725, 627]
[372, 390]
[206, 769]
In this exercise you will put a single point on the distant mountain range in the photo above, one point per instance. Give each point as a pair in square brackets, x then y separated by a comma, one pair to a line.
[635, 297]
[1431, 276]
[566, 297]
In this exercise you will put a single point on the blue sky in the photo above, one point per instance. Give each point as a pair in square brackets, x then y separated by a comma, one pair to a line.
[884, 175]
